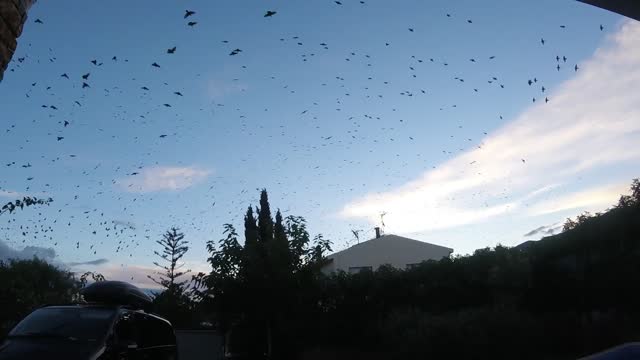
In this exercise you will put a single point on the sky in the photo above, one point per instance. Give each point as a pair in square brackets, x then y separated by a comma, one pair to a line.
[421, 111]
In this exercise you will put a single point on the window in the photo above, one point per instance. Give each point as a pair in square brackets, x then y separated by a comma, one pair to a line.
[75, 323]
[359, 269]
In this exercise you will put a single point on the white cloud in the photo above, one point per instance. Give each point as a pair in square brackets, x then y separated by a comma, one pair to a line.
[220, 88]
[593, 199]
[10, 194]
[591, 121]
[160, 178]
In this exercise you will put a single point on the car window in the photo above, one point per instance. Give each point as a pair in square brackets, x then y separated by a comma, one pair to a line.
[89, 324]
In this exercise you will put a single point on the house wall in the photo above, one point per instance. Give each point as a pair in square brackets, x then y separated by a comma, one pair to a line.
[395, 251]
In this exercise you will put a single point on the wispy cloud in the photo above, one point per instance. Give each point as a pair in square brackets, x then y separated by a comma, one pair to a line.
[161, 178]
[220, 88]
[590, 199]
[10, 194]
[591, 121]
[90, 262]
[28, 252]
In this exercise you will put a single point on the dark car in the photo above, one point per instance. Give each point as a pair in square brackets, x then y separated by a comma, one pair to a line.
[93, 331]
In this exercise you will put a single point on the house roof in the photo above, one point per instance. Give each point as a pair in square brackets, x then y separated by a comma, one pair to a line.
[389, 238]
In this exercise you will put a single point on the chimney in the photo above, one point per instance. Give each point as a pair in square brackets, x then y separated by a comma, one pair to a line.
[377, 232]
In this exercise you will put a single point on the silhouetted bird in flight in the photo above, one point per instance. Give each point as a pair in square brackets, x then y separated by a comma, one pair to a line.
[163, 136]
[177, 93]
[145, 88]
[188, 13]
[155, 65]
[60, 138]
[576, 68]
[270, 13]
[601, 27]
[542, 41]
[338, 2]
[38, 21]
[64, 75]
[85, 85]
[85, 76]
[172, 50]
[66, 123]
[192, 23]
[235, 52]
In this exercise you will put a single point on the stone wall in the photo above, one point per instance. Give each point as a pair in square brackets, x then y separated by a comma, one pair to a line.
[13, 14]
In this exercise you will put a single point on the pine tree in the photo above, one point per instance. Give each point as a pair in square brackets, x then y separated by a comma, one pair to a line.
[174, 247]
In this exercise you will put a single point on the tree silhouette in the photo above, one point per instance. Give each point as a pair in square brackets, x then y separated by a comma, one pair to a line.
[174, 247]
[11, 206]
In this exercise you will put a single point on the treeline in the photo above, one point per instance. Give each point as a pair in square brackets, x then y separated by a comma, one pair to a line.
[561, 297]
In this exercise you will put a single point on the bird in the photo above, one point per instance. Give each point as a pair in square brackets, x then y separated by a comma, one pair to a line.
[546, 100]
[167, 105]
[64, 75]
[85, 85]
[558, 67]
[66, 123]
[188, 13]
[564, 59]
[522, 160]
[38, 21]
[410, 29]
[542, 41]
[235, 52]
[172, 50]
[470, 22]
[576, 68]
[177, 93]
[94, 62]
[270, 13]
[338, 2]
[192, 23]
[60, 138]
[86, 76]
[144, 88]
[155, 65]
[163, 136]
[601, 27]
[530, 82]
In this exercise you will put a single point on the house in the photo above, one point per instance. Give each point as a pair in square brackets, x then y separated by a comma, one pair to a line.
[397, 251]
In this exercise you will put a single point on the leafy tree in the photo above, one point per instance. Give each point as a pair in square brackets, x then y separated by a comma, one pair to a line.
[29, 284]
[11, 206]
[90, 275]
[258, 289]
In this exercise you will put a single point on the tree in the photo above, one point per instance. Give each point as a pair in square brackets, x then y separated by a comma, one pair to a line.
[259, 290]
[11, 206]
[173, 301]
[174, 247]
[28, 284]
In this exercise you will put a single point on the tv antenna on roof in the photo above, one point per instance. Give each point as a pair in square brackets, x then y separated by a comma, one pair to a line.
[382, 214]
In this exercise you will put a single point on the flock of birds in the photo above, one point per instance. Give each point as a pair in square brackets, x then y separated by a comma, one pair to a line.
[109, 232]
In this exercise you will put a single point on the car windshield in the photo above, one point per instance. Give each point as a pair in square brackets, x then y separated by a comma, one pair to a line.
[85, 324]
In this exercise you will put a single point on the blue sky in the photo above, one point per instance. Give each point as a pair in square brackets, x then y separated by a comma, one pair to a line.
[331, 133]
